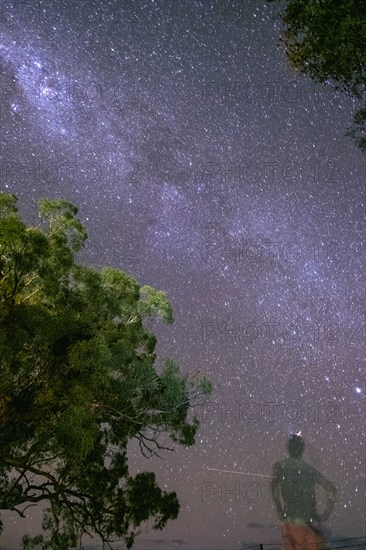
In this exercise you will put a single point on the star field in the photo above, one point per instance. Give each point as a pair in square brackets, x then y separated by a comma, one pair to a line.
[205, 166]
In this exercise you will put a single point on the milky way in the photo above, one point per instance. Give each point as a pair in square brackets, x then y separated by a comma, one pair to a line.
[203, 165]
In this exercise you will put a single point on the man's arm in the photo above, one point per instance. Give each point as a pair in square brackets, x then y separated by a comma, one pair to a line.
[276, 490]
[331, 491]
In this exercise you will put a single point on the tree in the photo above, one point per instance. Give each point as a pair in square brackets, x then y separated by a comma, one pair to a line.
[326, 39]
[78, 382]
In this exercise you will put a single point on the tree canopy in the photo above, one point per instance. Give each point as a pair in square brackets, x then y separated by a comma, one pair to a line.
[78, 381]
[326, 39]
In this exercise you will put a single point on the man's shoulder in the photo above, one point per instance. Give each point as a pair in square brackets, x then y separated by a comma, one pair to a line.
[277, 468]
[293, 464]
[292, 467]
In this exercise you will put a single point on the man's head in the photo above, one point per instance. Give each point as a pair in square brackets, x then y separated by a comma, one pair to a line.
[295, 446]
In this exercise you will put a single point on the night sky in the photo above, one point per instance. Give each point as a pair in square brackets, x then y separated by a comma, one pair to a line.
[206, 167]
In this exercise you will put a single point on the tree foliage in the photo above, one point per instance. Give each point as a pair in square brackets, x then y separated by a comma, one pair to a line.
[326, 39]
[77, 382]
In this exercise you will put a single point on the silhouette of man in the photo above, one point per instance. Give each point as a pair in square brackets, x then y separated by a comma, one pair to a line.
[293, 491]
